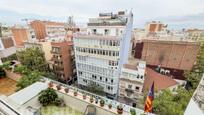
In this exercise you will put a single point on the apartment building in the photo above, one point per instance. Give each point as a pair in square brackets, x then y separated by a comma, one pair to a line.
[62, 60]
[22, 34]
[155, 26]
[195, 34]
[101, 52]
[132, 79]
[48, 29]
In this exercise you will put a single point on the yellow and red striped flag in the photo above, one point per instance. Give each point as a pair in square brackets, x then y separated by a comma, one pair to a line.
[149, 100]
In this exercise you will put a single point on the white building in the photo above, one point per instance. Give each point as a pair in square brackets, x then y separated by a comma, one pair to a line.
[132, 79]
[101, 52]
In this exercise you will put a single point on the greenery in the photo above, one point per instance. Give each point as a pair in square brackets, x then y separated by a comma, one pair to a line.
[22, 69]
[9, 58]
[32, 58]
[2, 72]
[48, 96]
[93, 88]
[6, 65]
[29, 79]
[133, 112]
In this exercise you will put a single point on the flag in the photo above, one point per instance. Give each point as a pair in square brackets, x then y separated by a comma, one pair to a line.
[149, 100]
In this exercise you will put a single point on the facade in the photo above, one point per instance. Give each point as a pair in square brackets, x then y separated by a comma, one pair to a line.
[101, 52]
[132, 79]
[45, 29]
[20, 35]
[195, 34]
[62, 60]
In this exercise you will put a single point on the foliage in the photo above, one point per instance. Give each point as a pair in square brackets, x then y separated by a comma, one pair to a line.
[167, 103]
[29, 79]
[50, 75]
[9, 58]
[6, 65]
[32, 58]
[22, 69]
[48, 96]
[132, 111]
[2, 72]
[93, 88]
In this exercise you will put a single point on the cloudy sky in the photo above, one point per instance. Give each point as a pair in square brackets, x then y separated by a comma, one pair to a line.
[177, 13]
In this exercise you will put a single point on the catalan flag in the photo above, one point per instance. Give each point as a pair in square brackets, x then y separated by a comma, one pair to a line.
[149, 100]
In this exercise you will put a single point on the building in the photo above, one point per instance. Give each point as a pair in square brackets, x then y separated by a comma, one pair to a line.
[132, 80]
[62, 60]
[195, 34]
[20, 34]
[196, 104]
[44, 46]
[101, 52]
[155, 27]
[48, 29]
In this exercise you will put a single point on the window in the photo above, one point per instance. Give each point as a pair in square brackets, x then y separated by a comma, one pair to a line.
[106, 80]
[107, 31]
[129, 86]
[137, 88]
[101, 78]
[111, 80]
[94, 31]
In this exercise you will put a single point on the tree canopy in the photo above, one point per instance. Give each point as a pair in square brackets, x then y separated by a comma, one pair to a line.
[48, 96]
[32, 58]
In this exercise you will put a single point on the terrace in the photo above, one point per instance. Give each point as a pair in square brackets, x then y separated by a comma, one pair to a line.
[7, 86]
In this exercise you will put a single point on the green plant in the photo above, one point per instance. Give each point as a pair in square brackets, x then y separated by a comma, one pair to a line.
[22, 69]
[110, 106]
[102, 102]
[120, 109]
[6, 65]
[132, 111]
[48, 96]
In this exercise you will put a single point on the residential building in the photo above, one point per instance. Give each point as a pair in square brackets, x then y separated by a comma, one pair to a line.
[195, 34]
[155, 27]
[48, 29]
[196, 104]
[132, 80]
[62, 61]
[101, 52]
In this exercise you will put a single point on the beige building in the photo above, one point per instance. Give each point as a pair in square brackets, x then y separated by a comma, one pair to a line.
[196, 34]
[45, 46]
[132, 79]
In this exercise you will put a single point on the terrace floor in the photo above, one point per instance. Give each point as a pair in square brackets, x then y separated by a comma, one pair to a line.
[7, 86]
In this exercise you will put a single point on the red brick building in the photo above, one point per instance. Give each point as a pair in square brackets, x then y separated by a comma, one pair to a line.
[167, 53]
[62, 60]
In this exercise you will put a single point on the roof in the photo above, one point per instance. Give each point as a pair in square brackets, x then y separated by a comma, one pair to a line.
[24, 95]
[160, 81]
[64, 43]
[128, 66]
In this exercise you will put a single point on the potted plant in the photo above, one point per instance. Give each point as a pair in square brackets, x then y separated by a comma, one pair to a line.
[102, 102]
[58, 87]
[66, 90]
[91, 99]
[84, 96]
[50, 84]
[75, 93]
[120, 109]
[110, 106]
[132, 111]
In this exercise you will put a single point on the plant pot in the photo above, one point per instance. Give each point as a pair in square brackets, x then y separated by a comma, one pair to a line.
[102, 102]
[120, 109]
[91, 100]
[84, 97]
[66, 90]
[110, 106]
[58, 87]
[75, 93]
[50, 84]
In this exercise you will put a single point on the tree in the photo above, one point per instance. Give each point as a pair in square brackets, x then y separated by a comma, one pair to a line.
[48, 96]
[22, 69]
[29, 79]
[32, 58]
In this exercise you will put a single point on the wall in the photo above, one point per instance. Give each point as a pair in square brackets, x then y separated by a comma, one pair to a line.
[13, 75]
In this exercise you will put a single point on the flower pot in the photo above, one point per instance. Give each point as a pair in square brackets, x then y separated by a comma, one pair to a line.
[110, 106]
[58, 87]
[120, 109]
[84, 97]
[102, 102]
[91, 100]
[66, 90]
[50, 84]
[75, 93]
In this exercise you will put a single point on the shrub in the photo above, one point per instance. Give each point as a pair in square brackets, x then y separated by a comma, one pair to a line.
[48, 96]
[22, 69]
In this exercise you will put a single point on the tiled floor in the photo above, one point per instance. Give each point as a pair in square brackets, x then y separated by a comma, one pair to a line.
[7, 86]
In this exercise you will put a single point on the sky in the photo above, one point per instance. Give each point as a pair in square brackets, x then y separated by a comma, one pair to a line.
[176, 13]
